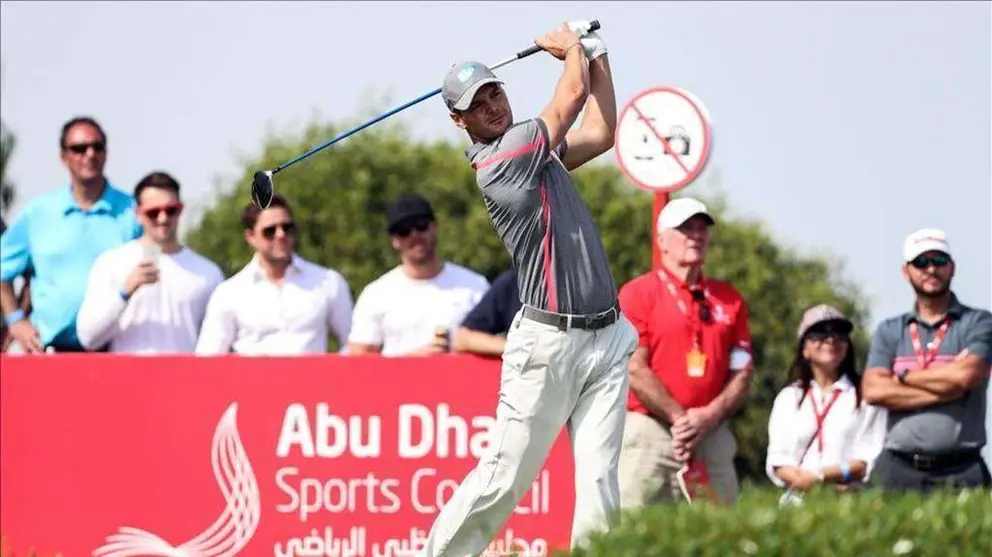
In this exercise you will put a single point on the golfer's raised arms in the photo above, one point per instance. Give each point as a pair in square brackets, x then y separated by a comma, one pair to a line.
[595, 135]
[573, 86]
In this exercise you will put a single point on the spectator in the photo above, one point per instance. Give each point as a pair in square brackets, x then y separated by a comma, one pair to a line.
[682, 387]
[820, 429]
[149, 295]
[58, 236]
[930, 368]
[483, 331]
[279, 303]
[412, 308]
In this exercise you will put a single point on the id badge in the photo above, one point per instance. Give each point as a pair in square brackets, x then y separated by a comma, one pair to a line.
[696, 363]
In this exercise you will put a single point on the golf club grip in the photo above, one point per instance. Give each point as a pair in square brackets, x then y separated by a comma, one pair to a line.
[593, 26]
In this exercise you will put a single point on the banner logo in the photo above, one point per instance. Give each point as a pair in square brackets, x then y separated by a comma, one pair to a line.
[231, 532]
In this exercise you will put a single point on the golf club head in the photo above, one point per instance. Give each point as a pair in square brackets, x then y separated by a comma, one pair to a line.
[262, 189]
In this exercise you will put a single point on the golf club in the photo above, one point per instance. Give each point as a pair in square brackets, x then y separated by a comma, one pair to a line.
[263, 188]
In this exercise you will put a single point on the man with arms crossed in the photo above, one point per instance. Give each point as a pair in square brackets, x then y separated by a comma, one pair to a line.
[930, 368]
[565, 358]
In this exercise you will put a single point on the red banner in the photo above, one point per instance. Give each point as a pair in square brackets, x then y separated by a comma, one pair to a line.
[115, 456]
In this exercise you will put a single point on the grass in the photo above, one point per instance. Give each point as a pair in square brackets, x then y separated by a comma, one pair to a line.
[870, 523]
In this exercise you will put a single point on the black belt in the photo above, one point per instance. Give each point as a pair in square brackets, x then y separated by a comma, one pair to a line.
[565, 322]
[937, 461]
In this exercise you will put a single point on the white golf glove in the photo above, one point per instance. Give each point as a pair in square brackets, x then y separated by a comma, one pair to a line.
[592, 44]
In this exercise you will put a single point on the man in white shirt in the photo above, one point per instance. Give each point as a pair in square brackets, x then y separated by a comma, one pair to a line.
[412, 309]
[279, 303]
[148, 295]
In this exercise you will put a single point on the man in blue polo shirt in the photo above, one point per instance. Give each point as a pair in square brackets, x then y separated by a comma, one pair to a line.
[58, 236]
[930, 368]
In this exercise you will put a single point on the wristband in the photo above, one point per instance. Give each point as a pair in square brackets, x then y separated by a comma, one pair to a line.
[845, 470]
[14, 317]
[575, 44]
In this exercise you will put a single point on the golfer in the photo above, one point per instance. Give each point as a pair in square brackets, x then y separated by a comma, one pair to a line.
[565, 361]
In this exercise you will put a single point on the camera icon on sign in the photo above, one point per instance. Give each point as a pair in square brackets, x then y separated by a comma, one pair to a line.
[678, 141]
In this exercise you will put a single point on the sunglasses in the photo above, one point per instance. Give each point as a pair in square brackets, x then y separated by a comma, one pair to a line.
[171, 210]
[823, 333]
[81, 148]
[406, 228]
[937, 260]
[288, 228]
[704, 307]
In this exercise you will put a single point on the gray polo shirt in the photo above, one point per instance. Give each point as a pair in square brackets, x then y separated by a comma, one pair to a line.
[545, 225]
[955, 425]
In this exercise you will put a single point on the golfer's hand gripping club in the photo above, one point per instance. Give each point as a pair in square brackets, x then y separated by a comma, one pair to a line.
[263, 186]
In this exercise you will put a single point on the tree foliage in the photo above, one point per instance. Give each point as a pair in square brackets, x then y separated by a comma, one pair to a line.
[339, 198]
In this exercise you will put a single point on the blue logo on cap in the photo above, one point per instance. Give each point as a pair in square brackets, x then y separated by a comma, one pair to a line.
[466, 73]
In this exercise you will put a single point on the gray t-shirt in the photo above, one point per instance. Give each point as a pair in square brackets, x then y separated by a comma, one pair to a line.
[958, 424]
[545, 225]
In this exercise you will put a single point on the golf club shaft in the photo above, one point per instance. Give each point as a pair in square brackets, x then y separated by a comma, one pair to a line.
[593, 26]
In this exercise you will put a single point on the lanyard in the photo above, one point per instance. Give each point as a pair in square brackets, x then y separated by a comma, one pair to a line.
[821, 416]
[693, 319]
[671, 290]
[914, 335]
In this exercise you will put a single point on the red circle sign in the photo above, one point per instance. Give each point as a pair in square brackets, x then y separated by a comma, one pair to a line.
[663, 139]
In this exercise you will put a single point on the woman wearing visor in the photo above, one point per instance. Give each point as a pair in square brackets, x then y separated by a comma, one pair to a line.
[820, 430]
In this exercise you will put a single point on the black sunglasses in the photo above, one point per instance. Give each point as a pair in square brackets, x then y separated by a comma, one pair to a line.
[704, 307]
[937, 260]
[822, 335]
[288, 228]
[404, 229]
[81, 148]
[824, 331]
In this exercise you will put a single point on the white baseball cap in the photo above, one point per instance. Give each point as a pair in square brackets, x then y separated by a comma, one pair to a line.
[924, 240]
[677, 211]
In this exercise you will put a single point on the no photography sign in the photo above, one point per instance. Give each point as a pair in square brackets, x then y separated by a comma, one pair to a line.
[663, 139]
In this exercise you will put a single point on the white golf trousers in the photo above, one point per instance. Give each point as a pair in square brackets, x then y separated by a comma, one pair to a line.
[550, 378]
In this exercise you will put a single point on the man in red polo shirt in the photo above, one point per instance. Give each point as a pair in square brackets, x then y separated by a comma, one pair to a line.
[692, 367]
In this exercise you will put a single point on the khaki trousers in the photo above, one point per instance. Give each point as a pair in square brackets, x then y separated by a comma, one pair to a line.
[550, 379]
[648, 465]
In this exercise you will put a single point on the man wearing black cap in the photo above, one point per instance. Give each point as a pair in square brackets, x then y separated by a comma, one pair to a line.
[565, 357]
[411, 309]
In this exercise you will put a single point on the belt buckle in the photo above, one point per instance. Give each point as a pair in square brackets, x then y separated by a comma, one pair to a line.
[591, 322]
[600, 321]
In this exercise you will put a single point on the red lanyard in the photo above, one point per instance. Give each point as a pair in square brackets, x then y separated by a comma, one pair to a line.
[671, 290]
[693, 319]
[928, 358]
[821, 416]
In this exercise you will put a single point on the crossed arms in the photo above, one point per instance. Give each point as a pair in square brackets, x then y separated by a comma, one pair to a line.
[924, 388]
[934, 385]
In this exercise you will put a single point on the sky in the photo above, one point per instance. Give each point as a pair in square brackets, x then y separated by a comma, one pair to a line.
[842, 125]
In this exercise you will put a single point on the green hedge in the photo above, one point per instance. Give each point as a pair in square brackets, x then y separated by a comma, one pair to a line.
[827, 524]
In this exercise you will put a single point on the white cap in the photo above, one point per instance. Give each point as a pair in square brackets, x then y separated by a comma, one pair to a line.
[677, 211]
[924, 240]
